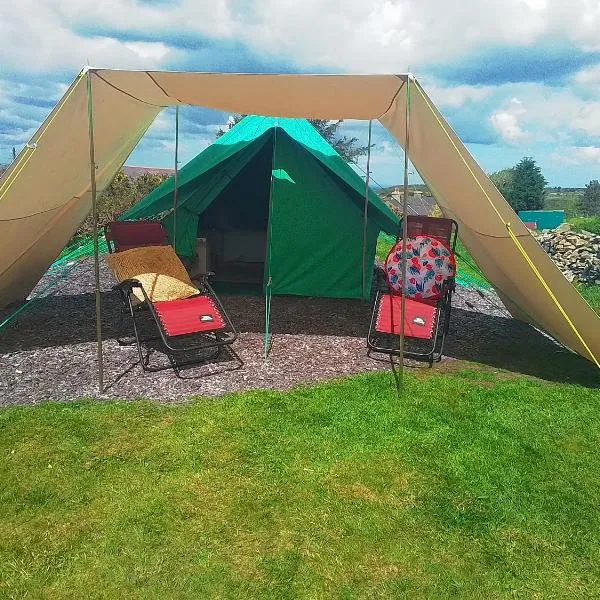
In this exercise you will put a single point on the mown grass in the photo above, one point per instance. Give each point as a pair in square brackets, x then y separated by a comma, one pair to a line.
[591, 293]
[463, 487]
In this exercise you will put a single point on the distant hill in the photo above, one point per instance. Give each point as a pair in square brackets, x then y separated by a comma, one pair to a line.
[566, 199]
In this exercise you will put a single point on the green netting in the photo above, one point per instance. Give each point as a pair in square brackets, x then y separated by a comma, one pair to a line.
[79, 248]
[59, 269]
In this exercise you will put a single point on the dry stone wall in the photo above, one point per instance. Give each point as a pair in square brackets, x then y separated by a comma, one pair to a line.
[577, 254]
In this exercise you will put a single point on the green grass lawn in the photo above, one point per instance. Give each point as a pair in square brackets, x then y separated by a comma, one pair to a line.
[465, 487]
[592, 295]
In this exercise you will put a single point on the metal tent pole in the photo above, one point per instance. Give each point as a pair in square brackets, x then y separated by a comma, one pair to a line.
[95, 234]
[175, 178]
[404, 225]
[366, 212]
[269, 282]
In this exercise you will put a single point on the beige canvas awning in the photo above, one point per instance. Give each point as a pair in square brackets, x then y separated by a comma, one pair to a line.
[45, 194]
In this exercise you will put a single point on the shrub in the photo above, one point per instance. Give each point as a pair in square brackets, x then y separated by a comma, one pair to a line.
[121, 194]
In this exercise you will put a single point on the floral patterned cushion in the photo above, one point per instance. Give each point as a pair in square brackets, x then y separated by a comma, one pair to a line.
[430, 263]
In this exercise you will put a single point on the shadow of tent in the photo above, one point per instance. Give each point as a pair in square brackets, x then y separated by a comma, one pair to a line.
[515, 346]
[502, 343]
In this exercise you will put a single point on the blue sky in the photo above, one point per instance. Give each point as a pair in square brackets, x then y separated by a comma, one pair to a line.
[513, 77]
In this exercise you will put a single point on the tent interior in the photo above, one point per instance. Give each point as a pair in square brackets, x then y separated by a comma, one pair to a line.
[236, 222]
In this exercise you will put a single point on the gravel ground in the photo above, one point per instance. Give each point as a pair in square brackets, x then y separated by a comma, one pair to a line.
[49, 351]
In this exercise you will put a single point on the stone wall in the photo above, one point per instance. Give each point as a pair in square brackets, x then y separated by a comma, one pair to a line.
[577, 254]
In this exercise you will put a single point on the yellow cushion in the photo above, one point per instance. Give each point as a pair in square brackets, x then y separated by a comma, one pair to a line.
[157, 268]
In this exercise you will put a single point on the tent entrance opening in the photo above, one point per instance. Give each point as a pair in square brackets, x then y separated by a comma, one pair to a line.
[235, 225]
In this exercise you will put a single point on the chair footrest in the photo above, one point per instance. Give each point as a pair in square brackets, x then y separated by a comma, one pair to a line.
[198, 314]
[419, 316]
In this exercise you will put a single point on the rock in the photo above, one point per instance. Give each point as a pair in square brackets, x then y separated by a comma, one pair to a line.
[577, 254]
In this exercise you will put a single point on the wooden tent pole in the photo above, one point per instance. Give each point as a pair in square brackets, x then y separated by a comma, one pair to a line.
[175, 178]
[95, 234]
[404, 225]
[366, 213]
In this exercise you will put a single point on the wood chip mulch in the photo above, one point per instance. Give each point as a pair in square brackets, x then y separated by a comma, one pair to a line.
[48, 352]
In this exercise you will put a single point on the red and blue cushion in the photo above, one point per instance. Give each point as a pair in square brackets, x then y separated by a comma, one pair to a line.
[430, 263]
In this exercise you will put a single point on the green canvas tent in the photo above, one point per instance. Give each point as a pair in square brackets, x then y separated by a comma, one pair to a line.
[276, 205]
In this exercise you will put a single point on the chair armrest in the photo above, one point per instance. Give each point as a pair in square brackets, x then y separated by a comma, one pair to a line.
[204, 278]
[127, 285]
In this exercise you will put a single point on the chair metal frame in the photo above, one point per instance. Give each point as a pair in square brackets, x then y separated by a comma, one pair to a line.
[418, 225]
[222, 337]
[213, 339]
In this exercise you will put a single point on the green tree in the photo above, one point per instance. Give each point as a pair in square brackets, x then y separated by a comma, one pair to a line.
[231, 123]
[346, 147]
[145, 183]
[589, 203]
[503, 180]
[528, 188]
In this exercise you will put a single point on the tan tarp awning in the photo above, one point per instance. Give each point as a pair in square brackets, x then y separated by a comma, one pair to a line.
[45, 194]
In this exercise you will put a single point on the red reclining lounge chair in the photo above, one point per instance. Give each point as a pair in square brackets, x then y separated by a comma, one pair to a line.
[431, 268]
[188, 324]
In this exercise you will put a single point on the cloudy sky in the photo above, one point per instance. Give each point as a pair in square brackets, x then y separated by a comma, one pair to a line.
[514, 77]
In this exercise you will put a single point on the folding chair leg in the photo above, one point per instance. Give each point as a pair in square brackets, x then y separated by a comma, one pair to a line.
[145, 360]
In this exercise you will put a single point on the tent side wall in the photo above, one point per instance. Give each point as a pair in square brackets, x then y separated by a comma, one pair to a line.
[465, 193]
[45, 194]
[316, 229]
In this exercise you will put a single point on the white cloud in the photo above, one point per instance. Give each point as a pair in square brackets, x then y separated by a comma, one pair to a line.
[589, 76]
[587, 119]
[457, 96]
[378, 36]
[578, 155]
[507, 126]
[149, 50]
[388, 36]
[506, 122]
[546, 114]
[36, 39]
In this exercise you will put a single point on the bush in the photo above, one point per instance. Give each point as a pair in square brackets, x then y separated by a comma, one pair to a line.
[121, 194]
[591, 224]
[589, 204]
